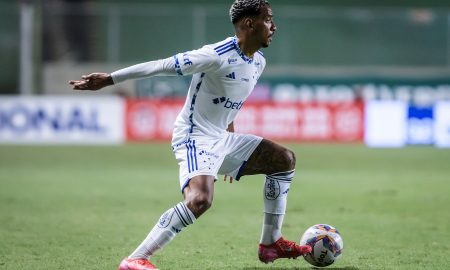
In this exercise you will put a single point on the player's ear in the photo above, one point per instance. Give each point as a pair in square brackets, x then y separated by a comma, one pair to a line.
[248, 22]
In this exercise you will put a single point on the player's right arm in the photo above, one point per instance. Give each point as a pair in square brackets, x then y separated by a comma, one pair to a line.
[202, 60]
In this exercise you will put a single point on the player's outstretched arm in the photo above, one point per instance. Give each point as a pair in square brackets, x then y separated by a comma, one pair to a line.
[93, 81]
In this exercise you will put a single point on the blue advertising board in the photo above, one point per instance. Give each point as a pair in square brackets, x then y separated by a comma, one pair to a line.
[420, 125]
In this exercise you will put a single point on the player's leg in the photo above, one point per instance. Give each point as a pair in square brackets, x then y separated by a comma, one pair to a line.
[278, 164]
[198, 165]
[198, 196]
[269, 158]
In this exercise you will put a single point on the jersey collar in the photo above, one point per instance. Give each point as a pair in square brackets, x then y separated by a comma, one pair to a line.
[241, 54]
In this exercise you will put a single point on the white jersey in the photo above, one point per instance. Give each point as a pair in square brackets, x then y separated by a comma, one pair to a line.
[223, 78]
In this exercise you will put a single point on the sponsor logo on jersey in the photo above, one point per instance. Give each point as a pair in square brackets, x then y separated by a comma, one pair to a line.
[227, 103]
[232, 61]
[186, 60]
[231, 76]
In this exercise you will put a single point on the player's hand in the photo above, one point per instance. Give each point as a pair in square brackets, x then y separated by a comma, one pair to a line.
[225, 178]
[93, 81]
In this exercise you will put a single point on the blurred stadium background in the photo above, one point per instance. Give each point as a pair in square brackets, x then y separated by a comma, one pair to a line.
[324, 53]
[341, 76]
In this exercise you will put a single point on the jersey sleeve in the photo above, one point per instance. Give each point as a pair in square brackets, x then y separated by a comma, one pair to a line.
[204, 59]
[163, 67]
[187, 63]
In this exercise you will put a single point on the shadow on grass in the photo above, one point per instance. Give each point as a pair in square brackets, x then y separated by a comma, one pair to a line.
[300, 268]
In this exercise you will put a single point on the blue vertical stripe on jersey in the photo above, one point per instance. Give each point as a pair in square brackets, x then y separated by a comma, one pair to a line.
[192, 157]
[195, 155]
[191, 129]
[194, 96]
[188, 156]
[177, 66]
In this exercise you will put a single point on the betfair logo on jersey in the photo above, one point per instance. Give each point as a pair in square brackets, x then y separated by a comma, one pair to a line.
[186, 60]
[227, 103]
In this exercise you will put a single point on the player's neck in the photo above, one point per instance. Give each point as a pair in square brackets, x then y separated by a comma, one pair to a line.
[247, 47]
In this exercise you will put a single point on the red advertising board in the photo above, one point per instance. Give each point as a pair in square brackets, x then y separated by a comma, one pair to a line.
[331, 122]
[148, 119]
[322, 122]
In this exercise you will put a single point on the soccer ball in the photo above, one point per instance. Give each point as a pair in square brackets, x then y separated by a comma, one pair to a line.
[326, 243]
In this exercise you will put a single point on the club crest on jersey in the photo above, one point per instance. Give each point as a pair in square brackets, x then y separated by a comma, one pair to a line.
[208, 154]
[227, 103]
[165, 219]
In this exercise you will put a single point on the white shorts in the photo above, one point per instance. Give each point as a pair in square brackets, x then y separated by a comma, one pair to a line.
[225, 155]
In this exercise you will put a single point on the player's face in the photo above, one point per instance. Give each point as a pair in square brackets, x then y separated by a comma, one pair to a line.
[265, 27]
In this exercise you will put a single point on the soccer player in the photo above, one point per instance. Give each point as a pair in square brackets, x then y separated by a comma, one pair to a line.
[204, 144]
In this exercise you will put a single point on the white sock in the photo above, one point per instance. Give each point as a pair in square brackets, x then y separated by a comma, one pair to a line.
[168, 226]
[276, 189]
[271, 230]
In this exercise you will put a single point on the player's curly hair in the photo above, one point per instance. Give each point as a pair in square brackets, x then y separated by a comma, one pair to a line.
[243, 8]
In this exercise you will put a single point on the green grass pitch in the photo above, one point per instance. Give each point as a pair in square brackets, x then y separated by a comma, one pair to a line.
[88, 207]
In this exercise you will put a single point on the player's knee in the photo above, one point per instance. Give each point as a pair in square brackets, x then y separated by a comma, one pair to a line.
[288, 160]
[200, 204]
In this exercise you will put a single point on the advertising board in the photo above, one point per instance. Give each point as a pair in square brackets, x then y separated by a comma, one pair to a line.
[442, 124]
[61, 120]
[343, 122]
[385, 123]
